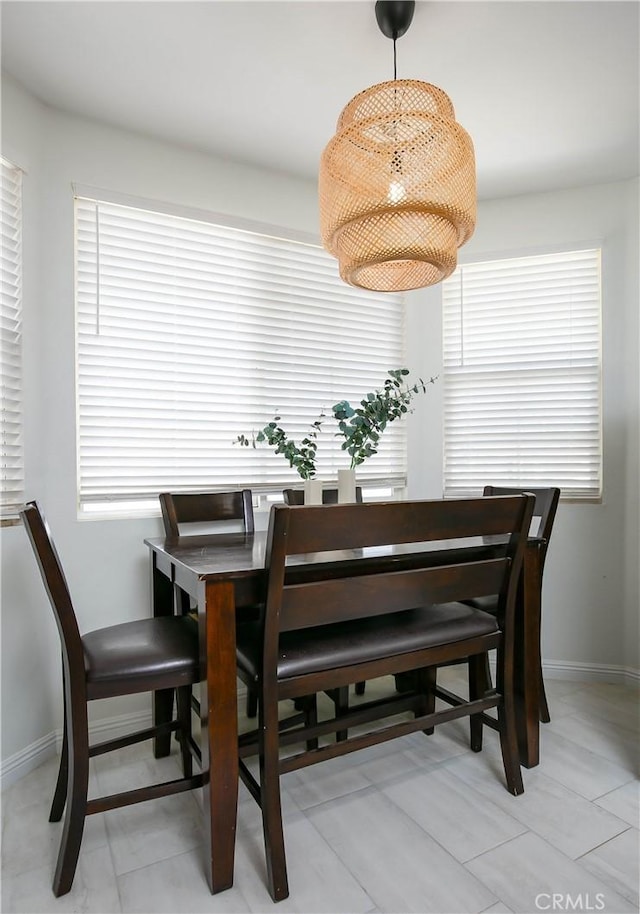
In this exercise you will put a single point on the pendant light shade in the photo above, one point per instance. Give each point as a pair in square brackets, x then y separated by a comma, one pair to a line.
[397, 187]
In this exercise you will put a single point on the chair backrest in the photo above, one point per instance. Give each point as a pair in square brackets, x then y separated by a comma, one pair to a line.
[329, 496]
[55, 584]
[544, 510]
[206, 507]
[349, 590]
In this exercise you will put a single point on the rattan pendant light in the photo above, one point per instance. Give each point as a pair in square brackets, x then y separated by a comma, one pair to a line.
[397, 182]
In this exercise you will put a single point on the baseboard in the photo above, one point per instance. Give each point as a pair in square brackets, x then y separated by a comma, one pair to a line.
[570, 670]
[590, 672]
[21, 763]
[106, 728]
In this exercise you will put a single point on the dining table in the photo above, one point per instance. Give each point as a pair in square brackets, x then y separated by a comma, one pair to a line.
[224, 574]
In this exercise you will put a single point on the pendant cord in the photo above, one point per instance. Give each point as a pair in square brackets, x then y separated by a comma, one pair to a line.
[395, 72]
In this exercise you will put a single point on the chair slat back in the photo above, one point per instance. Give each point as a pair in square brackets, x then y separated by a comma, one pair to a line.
[544, 509]
[337, 600]
[329, 496]
[206, 507]
[369, 588]
[321, 528]
[54, 581]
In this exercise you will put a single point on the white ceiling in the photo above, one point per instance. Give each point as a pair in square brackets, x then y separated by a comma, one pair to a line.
[548, 90]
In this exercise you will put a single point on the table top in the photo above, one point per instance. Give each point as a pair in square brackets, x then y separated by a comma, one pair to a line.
[233, 555]
[205, 554]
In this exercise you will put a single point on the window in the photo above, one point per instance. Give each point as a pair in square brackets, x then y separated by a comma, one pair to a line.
[10, 328]
[190, 333]
[522, 374]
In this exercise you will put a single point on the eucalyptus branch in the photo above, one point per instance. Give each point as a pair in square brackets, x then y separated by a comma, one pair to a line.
[301, 456]
[362, 426]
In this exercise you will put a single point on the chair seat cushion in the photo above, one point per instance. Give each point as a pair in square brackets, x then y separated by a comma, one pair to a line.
[141, 656]
[486, 604]
[310, 650]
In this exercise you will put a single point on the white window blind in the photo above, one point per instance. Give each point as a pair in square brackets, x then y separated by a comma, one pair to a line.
[190, 333]
[522, 374]
[10, 326]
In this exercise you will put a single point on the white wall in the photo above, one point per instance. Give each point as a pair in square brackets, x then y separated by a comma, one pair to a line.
[105, 561]
[590, 600]
[591, 589]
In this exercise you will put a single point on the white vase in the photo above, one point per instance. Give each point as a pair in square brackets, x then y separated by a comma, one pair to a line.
[346, 487]
[312, 492]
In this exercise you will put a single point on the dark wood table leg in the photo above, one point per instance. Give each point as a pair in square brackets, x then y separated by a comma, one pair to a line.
[218, 708]
[162, 605]
[527, 681]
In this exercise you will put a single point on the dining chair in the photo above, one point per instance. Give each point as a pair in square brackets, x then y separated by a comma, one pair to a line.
[356, 621]
[123, 659]
[181, 510]
[329, 497]
[544, 512]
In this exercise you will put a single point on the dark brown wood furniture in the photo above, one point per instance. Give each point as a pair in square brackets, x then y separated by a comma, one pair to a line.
[340, 697]
[329, 496]
[544, 513]
[356, 621]
[141, 656]
[180, 510]
[206, 507]
[225, 571]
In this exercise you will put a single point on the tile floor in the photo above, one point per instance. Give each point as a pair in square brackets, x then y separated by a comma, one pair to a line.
[419, 824]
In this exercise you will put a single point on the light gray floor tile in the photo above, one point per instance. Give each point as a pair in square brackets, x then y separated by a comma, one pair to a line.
[134, 766]
[602, 736]
[94, 889]
[177, 886]
[562, 817]
[448, 741]
[616, 863]
[398, 864]
[558, 688]
[623, 802]
[319, 881]
[458, 817]
[147, 833]
[386, 760]
[615, 704]
[584, 771]
[30, 840]
[526, 872]
[150, 832]
[353, 847]
[35, 789]
[318, 783]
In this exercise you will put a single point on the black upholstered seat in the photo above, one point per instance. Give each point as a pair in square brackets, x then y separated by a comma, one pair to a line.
[362, 640]
[123, 658]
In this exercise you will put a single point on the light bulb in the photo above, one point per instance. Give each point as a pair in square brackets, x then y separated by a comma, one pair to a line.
[397, 193]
